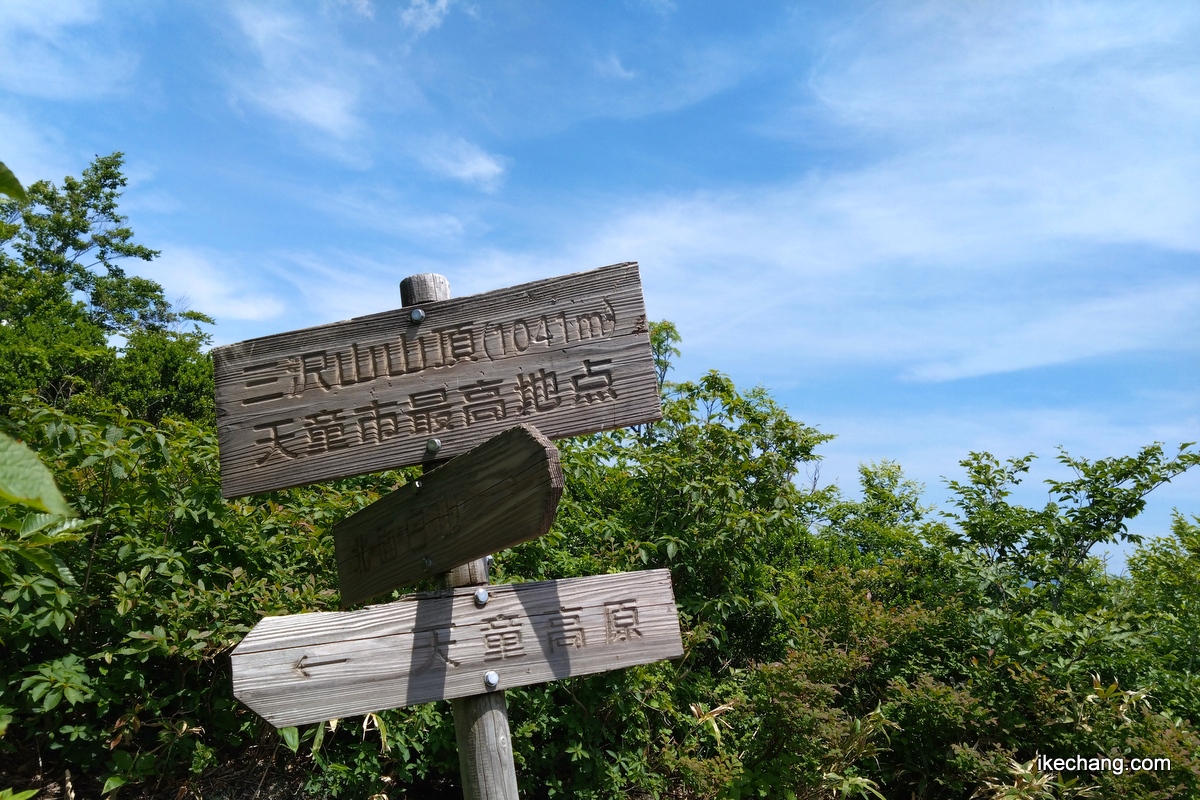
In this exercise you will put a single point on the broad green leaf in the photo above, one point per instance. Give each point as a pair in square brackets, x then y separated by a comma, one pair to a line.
[291, 737]
[113, 782]
[58, 530]
[9, 184]
[40, 559]
[7, 794]
[25, 479]
[52, 699]
[123, 760]
[36, 522]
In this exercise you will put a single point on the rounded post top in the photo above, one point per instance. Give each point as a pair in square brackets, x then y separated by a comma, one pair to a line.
[427, 287]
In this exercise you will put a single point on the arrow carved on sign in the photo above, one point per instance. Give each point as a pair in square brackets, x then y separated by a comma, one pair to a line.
[300, 665]
[441, 645]
[498, 495]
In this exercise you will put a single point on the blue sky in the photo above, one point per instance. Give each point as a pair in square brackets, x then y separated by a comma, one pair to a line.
[928, 228]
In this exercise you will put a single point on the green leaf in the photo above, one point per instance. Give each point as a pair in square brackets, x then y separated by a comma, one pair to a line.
[7, 794]
[123, 760]
[64, 573]
[40, 559]
[36, 522]
[58, 532]
[24, 479]
[383, 734]
[9, 184]
[52, 699]
[113, 782]
[291, 737]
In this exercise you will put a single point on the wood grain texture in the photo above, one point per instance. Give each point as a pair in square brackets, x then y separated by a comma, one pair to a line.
[501, 493]
[485, 758]
[570, 355]
[306, 668]
[425, 287]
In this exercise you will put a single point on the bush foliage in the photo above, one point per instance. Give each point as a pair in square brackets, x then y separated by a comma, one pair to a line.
[833, 646]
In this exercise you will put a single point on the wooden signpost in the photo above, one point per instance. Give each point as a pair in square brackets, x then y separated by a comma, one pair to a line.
[465, 379]
[498, 495]
[570, 355]
[312, 667]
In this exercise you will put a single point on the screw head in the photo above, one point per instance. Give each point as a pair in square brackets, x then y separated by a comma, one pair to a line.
[491, 679]
[417, 315]
[481, 596]
[433, 445]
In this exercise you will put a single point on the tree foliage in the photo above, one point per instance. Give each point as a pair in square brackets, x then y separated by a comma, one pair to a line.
[75, 329]
[834, 645]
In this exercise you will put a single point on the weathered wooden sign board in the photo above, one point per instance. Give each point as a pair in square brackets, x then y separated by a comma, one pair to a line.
[307, 668]
[497, 495]
[570, 355]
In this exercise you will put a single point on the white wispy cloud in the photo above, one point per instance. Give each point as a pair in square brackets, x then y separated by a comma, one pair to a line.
[422, 16]
[984, 222]
[911, 68]
[879, 280]
[332, 286]
[305, 74]
[47, 51]
[461, 160]
[214, 283]
[1069, 331]
[611, 67]
[568, 76]
[33, 151]
[692, 73]
[363, 8]
[663, 7]
[384, 210]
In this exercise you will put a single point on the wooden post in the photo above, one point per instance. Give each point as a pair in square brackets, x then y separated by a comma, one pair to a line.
[480, 722]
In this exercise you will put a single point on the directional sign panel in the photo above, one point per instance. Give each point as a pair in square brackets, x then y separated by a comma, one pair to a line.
[500, 494]
[570, 355]
[307, 668]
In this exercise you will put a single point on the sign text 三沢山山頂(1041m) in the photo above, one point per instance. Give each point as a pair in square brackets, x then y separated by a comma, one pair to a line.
[570, 355]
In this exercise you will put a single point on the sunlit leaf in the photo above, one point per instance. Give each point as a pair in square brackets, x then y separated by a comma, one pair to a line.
[24, 479]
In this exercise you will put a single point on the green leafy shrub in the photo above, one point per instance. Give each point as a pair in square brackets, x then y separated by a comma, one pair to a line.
[833, 646]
